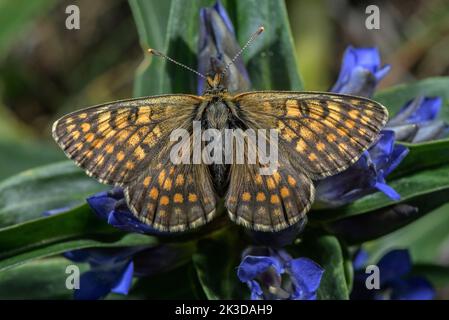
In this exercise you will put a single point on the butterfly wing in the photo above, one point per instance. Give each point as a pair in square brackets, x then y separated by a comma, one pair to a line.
[173, 197]
[323, 133]
[127, 143]
[266, 195]
[115, 142]
[268, 202]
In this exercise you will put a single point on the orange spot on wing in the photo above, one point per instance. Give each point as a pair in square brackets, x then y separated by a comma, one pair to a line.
[193, 197]
[167, 184]
[301, 145]
[154, 193]
[261, 197]
[313, 157]
[146, 181]
[109, 148]
[271, 184]
[179, 180]
[85, 127]
[274, 199]
[291, 180]
[285, 192]
[90, 137]
[331, 137]
[178, 198]
[320, 146]
[139, 153]
[246, 196]
[120, 156]
[129, 165]
[161, 177]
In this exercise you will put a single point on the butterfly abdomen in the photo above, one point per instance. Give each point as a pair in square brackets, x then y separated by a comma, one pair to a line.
[217, 116]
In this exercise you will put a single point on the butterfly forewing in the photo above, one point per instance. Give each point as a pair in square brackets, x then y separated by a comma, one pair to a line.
[115, 142]
[323, 133]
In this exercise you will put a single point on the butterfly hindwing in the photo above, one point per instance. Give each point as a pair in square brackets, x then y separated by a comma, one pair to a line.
[115, 142]
[268, 202]
[270, 196]
[323, 133]
[173, 197]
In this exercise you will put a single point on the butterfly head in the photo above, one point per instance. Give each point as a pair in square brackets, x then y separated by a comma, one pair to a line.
[214, 84]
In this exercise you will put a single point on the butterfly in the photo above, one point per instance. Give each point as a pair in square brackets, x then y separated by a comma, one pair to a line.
[127, 143]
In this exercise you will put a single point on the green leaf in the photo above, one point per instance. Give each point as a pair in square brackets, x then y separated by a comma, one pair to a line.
[151, 21]
[27, 195]
[47, 250]
[43, 279]
[427, 238]
[75, 229]
[395, 97]
[215, 263]
[425, 189]
[327, 252]
[270, 60]
[422, 156]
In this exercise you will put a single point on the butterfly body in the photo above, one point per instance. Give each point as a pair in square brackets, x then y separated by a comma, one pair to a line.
[127, 143]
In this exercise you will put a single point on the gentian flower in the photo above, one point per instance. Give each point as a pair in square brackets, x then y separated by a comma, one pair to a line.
[360, 73]
[395, 280]
[112, 269]
[366, 176]
[217, 45]
[111, 206]
[274, 274]
[417, 120]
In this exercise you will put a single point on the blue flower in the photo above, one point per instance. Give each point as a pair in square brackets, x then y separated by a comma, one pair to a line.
[366, 176]
[395, 282]
[274, 274]
[111, 206]
[217, 46]
[417, 120]
[360, 72]
[111, 269]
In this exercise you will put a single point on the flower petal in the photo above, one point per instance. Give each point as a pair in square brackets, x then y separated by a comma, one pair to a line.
[124, 283]
[360, 259]
[394, 264]
[360, 72]
[306, 276]
[253, 266]
[413, 288]
[102, 203]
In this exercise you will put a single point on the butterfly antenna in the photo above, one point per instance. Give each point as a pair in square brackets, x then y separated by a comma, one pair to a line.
[160, 54]
[247, 44]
